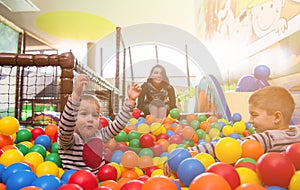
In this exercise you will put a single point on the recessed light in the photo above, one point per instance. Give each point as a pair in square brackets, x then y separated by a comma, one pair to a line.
[19, 5]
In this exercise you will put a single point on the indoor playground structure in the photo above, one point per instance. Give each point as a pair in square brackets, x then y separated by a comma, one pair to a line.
[149, 153]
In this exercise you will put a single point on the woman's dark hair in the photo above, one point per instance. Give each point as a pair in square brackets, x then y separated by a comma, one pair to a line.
[163, 73]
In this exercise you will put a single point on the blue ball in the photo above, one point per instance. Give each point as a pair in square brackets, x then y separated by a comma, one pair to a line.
[67, 174]
[176, 156]
[188, 169]
[116, 156]
[236, 117]
[47, 182]
[14, 168]
[43, 140]
[2, 169]
[20, 179]
[235, 136]
[275, 188]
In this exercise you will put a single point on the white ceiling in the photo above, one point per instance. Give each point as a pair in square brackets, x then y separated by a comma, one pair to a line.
[123, 13]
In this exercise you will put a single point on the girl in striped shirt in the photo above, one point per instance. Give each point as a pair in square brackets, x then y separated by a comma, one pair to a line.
[79, 123]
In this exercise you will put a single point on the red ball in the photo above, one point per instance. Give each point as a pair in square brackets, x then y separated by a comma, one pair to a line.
[136, 113]
[162, 136]
[37, 131]
[103, 122]
[275, 169]
[150, 169]
[84, 178]
[157, 149]
[293, 152]
[70, 187]
[132, 185]
[227, 171]
[143, 178]
[107, 172]
[146, 140]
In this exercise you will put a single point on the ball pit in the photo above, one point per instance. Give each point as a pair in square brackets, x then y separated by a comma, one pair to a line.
[137, 156]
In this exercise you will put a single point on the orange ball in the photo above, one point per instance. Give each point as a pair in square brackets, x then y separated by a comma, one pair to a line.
[2, 186]
[5, 140]
[158, 183]
[51, 130]
[252, 149]
[145, 161]
[209, 180]
[205, 126]
[31, 188]
[129, 159]
[191, 117]
[188, 132]
[122, 181]
[130, 174]
[111, 184]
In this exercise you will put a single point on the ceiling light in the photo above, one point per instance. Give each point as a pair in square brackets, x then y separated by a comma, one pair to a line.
[19, 5]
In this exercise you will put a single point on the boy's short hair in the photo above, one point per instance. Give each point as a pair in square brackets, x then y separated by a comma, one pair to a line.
[272, 99]
[93, 99]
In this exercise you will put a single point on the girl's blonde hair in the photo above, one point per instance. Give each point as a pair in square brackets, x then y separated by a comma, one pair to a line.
[272, 99]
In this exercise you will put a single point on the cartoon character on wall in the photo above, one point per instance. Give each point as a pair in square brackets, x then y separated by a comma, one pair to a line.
[251, 83]
[257, 18]
[225, 18]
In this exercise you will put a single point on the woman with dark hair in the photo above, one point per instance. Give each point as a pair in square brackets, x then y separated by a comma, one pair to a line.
[157, 96]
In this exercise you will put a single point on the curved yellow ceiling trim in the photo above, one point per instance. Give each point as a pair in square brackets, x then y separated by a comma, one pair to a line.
[74, 25]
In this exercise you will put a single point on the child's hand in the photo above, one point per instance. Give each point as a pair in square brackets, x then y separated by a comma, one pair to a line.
[80, 82]
[167, 170]
[133, 93]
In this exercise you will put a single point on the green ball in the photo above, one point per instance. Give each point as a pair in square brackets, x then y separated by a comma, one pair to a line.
[251, 130]
[147, 152]
[23, 135]
[201, 118]
[195, 124]
[134, 143]
[175, 113]
[183, 122]
[23, 148]
[201, 133]
[54, 157]
[39, 149]
[216, 125]
[190, 143]
[54, 147]
[133, 134]
[121, 137]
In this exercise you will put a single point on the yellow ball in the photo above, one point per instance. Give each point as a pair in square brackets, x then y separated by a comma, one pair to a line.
[34, 158]
[11, 156]
[27, 143]
[143, 128]
[205, 158]
[47, 168]
[248, 176]
[118, 168]
[228, 150]
[227, 130]
[239, 127]
[156, 128]
[9, 125]
[214, 133]
[295, 181]
[157, 172]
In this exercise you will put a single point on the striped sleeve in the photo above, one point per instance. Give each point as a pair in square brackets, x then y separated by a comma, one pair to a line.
[205, 148]
[117, 125]
[67, 124]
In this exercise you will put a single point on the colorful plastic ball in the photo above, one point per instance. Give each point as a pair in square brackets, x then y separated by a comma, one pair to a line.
[250, 186]
[121, 137]
[111, 184]
[227, 171]
[156, 128]
[70, 187]
[39, 149]
[239, 127]
[54, 147]
[129, 159]
[47, 182]
[34, 158]
[261, 72]
[23, 148]
[222, 150]
[132, 185]
[248, 176]
[9, 125]
[176, 139]
[20, 179]
[31, 187]
[252, 149]
[175, 113]
[129, 174]
[107, 172]
[146, 140]
[47, 168]
[5, 140]
[103, 122]
[201, 118]
[67, 174]
[55, 158]
[143, 128]
[23, 135]
[37, 131]
[43, 140]
[209, 181]
[236, 117]
[293, 152]
[227, 130]
[274, 161]
[136, 113]
[190, 166]
[85, 179]
[145, 161]
[11, 156]
[133, 134]
[275, 188]
[159, 183]
[116, 156]
[176, 156]
[12, 169]
[205, 158]
[295, 181]
[51, 130]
